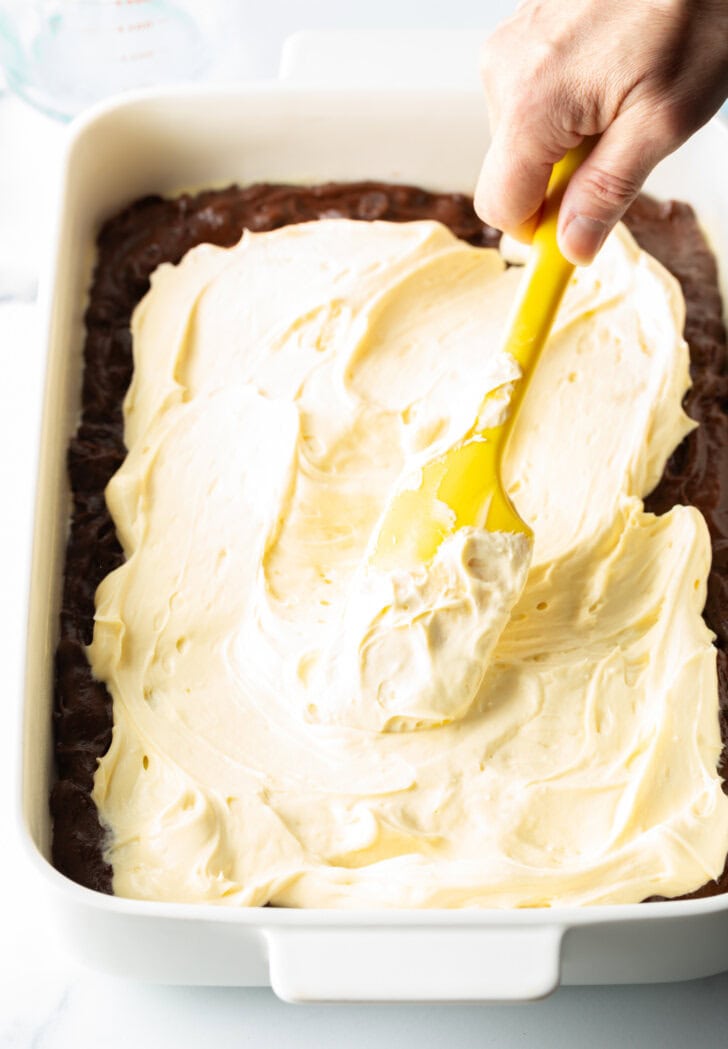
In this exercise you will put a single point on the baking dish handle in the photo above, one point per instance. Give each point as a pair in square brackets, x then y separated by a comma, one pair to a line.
[404, 963]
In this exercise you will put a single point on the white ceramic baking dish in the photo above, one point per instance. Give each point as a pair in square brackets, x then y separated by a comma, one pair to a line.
[192, 138]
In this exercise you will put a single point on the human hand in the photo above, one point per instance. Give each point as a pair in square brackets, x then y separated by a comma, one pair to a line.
[642, 74]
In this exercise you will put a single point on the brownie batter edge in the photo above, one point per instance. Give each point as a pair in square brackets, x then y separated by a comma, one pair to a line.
[154, 230]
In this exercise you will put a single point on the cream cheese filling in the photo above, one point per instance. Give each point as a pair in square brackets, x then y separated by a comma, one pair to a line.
[292, 726]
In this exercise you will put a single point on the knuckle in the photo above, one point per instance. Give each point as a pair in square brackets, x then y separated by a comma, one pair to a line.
[581, 108]
[542, 58]
[530, 113]
[554, 112]
[546, 64]
[612, 189]
[530, 63]
[491, 54]
[518, 114]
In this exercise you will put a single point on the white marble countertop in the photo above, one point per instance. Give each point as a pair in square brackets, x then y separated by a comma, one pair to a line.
[49, 1001]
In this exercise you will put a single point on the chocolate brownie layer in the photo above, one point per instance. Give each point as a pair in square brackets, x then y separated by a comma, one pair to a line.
[132, 244]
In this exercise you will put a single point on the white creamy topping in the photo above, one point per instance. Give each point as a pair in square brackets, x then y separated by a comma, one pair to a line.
[412, 647]
[292, 725]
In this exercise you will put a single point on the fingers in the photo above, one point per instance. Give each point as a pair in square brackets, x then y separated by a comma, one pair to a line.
[607, 182]
[512, 184]
[643, 76]
[528, 135]
[516, 171]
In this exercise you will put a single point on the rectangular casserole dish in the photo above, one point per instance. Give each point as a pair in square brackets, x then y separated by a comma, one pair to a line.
[164, 142]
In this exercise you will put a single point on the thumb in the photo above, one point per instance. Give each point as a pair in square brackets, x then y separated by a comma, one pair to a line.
[606, 184]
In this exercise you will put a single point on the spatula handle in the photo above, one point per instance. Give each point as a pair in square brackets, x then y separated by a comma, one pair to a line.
[547, 272]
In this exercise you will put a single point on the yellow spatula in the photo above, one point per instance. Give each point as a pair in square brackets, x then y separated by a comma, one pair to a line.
[464, 486]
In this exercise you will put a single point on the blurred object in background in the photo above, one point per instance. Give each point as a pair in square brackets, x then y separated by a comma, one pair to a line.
[63, 55]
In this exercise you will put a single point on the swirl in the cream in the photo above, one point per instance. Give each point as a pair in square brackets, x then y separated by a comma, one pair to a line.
[291, 725]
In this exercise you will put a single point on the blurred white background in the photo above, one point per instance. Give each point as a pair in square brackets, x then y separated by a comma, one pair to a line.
[244, 40]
